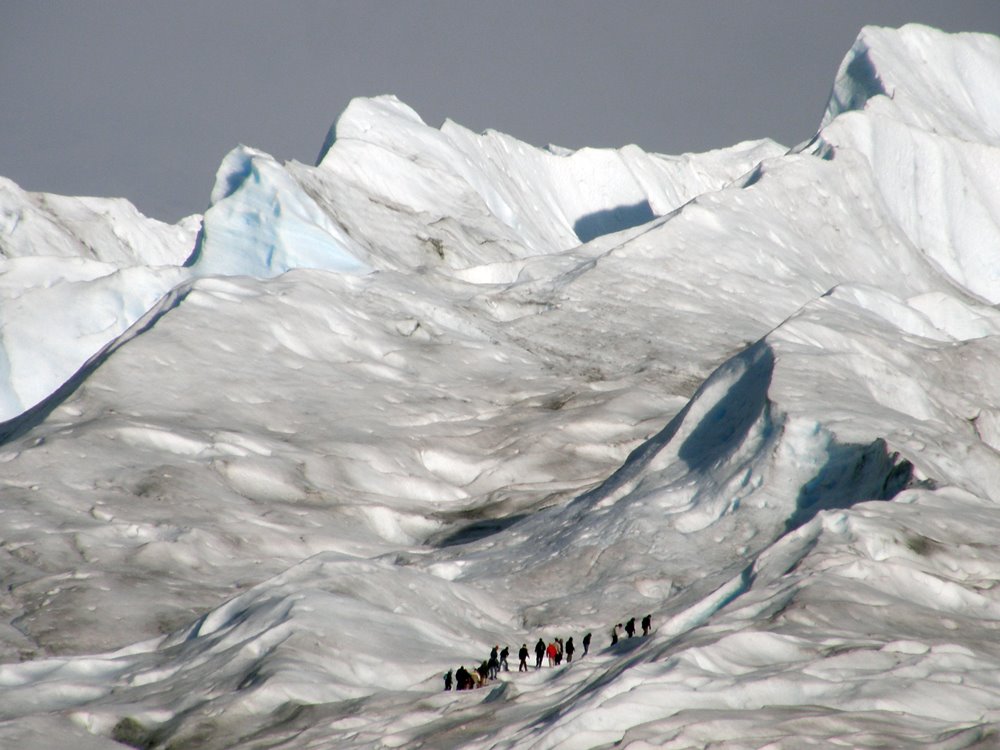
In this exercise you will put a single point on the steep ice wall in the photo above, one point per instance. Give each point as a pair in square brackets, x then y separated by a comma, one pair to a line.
[925, 78]
[923, 107]
[391, 192]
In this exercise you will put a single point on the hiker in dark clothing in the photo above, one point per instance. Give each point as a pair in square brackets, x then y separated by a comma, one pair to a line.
[484, 671]
[559, 651]
[463, 681]
[504, 653]
[447, 680]
[570, 648]
[523, 656]
[647, 624]
[493, 665]
[630, 627]
[614, 634]
[586, 644]
[539, 653]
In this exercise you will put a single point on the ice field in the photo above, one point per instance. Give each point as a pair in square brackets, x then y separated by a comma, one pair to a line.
[269, 473]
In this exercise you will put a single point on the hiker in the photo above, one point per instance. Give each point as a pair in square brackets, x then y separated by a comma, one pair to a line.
[523, 656]
[559, 651]
[614, 634]
[447, 680]
[504, 653]
[630, 627]
[493, 665]
[539, 653]
[551, 653]
[586, 644]
[570, 648]
[476, 678]
[463, 680]
[647, 624]
[484, 672]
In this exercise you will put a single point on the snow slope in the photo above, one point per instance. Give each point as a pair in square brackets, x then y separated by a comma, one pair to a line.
[446, 390]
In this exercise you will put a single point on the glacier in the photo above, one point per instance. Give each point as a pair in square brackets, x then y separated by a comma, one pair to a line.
[270, 472]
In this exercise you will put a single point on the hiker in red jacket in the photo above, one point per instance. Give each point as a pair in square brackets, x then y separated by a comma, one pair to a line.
[551, 653]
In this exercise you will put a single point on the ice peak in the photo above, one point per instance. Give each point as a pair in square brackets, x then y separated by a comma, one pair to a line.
[365, 117]
[942, 83]
[263, 223]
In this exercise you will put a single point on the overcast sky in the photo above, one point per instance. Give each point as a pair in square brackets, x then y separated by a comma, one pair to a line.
[143, 99]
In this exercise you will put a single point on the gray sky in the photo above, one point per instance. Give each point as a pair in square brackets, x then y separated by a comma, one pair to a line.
[142, 99]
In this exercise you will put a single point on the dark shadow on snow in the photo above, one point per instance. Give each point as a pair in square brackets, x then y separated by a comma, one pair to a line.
[852, 474]
[610, 220]
[754, 177]
[867, 84]
[475, 531]
[196, 251]
[730, 420]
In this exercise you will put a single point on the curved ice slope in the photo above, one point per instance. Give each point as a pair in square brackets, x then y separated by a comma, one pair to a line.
[58, 313]
[593, 192]
[751, 457]
[923, 108]
[261, 223]
[76, 273]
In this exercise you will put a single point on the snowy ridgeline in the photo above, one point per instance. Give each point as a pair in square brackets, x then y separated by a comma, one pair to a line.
[271, 472]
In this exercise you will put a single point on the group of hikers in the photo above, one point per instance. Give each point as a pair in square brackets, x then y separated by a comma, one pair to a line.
[555, 652]
[647, 624]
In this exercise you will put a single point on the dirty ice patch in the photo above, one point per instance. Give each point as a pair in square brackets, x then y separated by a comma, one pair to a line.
[264, 479]
[262, 223]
